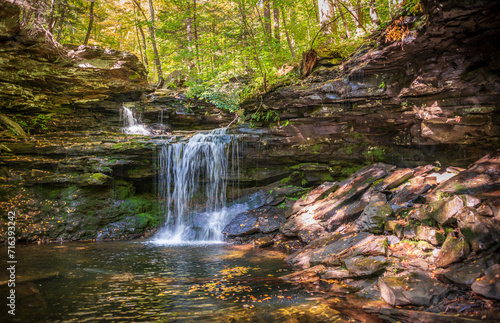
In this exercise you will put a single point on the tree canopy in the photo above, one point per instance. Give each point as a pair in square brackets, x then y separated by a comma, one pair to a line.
[205, 44]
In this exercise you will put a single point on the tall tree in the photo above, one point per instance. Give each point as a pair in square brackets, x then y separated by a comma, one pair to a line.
[288, 38]
[91, 21]
[153, 44]
[373, 12]
[326, 13]
[276, 14]
[267, 17]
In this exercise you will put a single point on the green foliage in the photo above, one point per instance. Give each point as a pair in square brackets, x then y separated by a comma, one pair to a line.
[37, 124]
[209, 40]
[222, 95]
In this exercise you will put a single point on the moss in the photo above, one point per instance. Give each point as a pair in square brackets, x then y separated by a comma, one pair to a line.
[286, 180]
[375, 153]
[327, 178]
[122, 190]
[316, 148]
[134, 76]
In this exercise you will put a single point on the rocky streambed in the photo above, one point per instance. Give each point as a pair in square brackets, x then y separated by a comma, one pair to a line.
[425, 238]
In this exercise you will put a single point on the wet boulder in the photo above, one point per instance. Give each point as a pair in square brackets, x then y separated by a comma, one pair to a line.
[242, 224]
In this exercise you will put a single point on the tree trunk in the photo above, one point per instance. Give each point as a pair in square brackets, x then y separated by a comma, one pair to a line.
[63, 8]
[197, 51]
[316, 12]
[91, 21]
[373, 12]
[52, 22]
[326, 15]
[146, 63]
[288, 40]
[153, 44]
[267, 17]
[251, 38]
[342, 16]
[267, 35]
[276, 13]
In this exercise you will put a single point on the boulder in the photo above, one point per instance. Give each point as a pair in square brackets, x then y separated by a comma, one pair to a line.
[464, 274]
[365, 266]
[479, 231]
[429, 234]
[395, 179]
[444, 211]
[408, 195]
[242, 224]
[489, 285]
[355, 185]
[320, 192]
[414, 287]
[263, 242]
[373, 217]
[264, 219]
[453, 250]
[479, 180]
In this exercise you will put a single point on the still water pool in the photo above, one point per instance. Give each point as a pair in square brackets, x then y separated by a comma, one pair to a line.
[137, 281]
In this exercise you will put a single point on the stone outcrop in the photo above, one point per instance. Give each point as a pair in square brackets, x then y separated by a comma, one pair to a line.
[430, 97]
[39, 78]
[391, 251]
[65, 168]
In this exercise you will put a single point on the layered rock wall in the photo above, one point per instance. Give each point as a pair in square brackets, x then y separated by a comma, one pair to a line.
[430, 96]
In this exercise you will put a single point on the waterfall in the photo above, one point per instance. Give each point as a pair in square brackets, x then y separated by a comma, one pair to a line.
[192, 183]
[130, 123]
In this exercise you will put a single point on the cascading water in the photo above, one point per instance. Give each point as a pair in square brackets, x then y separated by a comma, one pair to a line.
[192, 183]
[130, 123]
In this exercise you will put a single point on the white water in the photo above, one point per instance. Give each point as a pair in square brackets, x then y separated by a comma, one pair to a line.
[192, 184]
[130, 123]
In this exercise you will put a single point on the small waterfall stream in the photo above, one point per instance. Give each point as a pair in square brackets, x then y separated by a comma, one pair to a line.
[192, 183]
[130, 123]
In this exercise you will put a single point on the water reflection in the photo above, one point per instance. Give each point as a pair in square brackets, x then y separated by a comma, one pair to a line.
[143, 282]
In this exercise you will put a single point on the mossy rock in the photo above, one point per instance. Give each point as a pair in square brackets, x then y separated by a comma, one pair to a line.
[94, 179]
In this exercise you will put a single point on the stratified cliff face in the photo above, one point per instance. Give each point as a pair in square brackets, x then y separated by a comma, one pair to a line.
[65, 168]
[37, 77]
[433, 96]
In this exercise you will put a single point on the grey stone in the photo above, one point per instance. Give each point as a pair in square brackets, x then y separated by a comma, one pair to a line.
[374, 216]
[479, 231]
[453, 250]
[365, 266]
[489, 285]
[415, 288]
[429, 234]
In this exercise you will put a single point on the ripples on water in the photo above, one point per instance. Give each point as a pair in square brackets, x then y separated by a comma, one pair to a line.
[146, 282]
